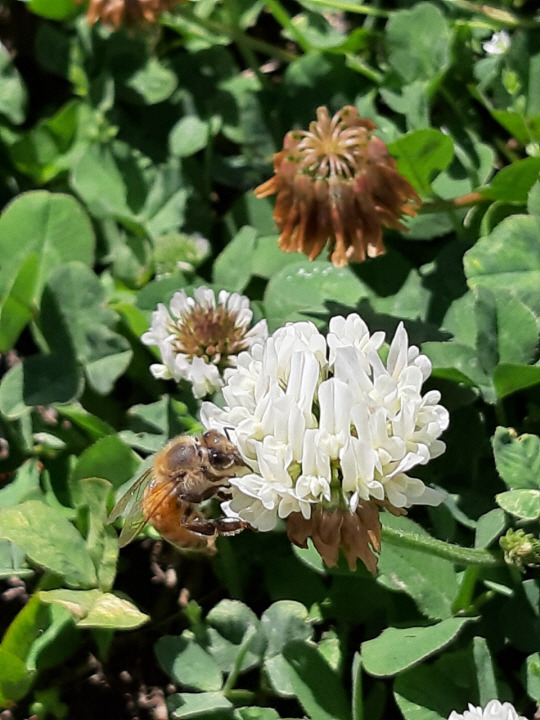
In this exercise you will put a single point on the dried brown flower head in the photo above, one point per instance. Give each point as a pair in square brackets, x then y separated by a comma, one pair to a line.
[337, 181]
[115, 13]
[357, 534]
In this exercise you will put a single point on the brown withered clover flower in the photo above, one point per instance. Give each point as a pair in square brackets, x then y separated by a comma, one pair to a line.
[357, 534]
[337, 182]
[115, 13]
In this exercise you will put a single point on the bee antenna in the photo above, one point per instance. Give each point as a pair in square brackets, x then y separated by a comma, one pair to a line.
[226, 431]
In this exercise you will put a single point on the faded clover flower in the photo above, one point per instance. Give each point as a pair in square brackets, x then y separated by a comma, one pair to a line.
[337, 182]
[330, 432]
[494, 710]
[115, 13]
[498, 44]
[199, 338]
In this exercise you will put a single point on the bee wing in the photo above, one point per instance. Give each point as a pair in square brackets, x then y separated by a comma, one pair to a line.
[129, 506]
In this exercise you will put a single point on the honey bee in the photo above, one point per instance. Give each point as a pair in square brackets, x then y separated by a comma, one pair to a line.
[185, 472]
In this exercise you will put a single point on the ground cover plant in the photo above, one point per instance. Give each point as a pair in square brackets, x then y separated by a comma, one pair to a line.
[314, 227]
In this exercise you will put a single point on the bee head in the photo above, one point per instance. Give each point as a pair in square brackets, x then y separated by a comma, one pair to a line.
[222, 454]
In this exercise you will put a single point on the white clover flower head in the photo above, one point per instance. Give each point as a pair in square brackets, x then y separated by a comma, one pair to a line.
[327, 426]
[498, 44]
[200, 337]
[494, 710]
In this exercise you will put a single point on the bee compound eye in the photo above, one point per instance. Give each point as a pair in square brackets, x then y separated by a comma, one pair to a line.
[215, 456]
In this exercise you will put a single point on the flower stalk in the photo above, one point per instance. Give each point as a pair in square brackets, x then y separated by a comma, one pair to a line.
[284, 19]
[442, 549]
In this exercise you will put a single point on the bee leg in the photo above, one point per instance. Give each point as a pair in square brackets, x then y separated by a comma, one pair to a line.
[222, 526]
[230, 526]
[198, 497]
[199, 525]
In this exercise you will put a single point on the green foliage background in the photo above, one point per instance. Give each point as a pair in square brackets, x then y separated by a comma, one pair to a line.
[116, 148]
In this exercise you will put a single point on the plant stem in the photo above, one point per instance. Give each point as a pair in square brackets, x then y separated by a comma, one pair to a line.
[218, 28]
[357, 696]
[498, 15]
[468, 200]
[241, 697]
[447, 551]
[464, 599]
[352, 7]
[239, 659]
[240, 38]
[284, 19]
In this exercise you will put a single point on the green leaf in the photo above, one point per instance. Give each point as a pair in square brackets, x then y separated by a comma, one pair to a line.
[39, 380]
[432, 690]
[92, 425]
[188, 136]
[26, 627]
[421, 155]
[412, 54]
[54, 228]
[397, 649]
[187, 663]
[108, 458]
[411, 100]
[52, 9]
[508, 258]
[513, 183]
[15, 679]
[533, 675]
[257, 713]
[228, 622]
[98, 180]
[487, 327]
[507, 329]
[13, 561]
[54, 144]
[510, 378]
[101, 540]
[95, 609]
[317, 30]
[533, 200]
[49, 539]
[199, 706]
[178, 250]
[164, 206]
[430, 581]
[57, 642]
[268, 259]
[233, 266]
[457, 362]
[13, 96]
[517, 459]
[525, 504]
[150, 84]
[489, 526]
[521, 127]
[17, 306]
[302, 289]
[282, 623]
[73, 315]
[315, 684]
[485, 672]
[310, 557]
